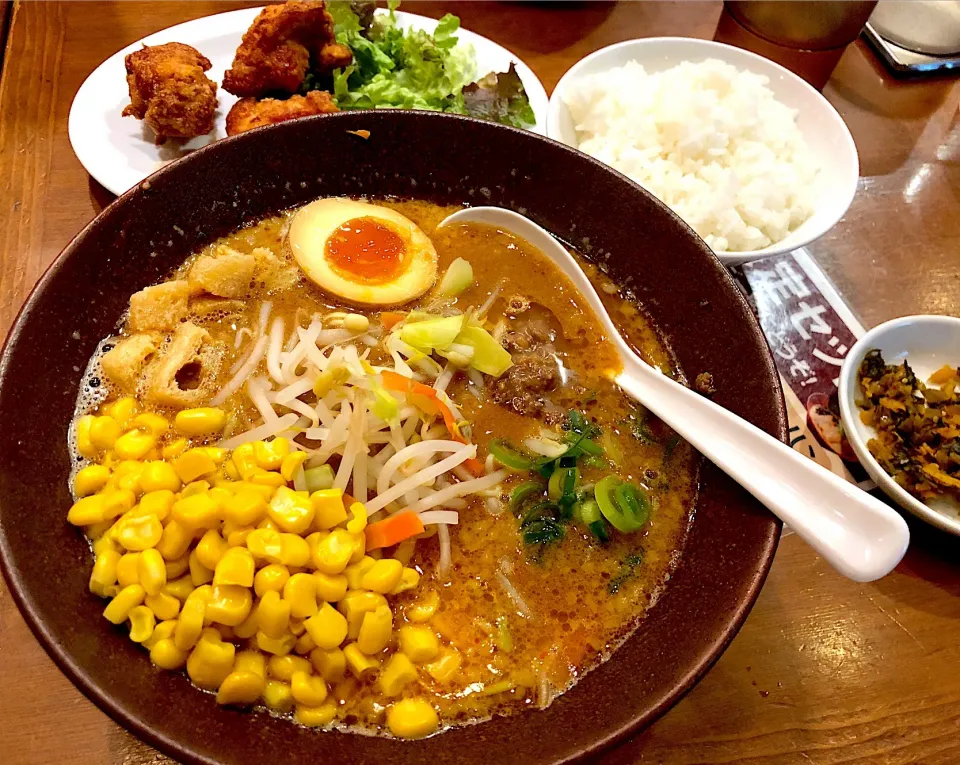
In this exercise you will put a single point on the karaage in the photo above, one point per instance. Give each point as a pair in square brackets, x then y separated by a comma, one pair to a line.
[275, 52]
[248, 113]
[170, 92]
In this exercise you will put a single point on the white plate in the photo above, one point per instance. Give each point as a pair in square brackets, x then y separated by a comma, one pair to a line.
[119, 151]
[823, 129]
[926, 343]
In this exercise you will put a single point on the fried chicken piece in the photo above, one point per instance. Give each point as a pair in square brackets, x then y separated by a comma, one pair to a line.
[170, 92]
[275, 51]
[249, 113]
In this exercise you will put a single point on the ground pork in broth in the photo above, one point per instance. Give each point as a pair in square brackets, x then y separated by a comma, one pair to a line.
[574, 600]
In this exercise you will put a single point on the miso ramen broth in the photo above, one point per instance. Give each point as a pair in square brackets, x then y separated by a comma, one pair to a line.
[399, 517]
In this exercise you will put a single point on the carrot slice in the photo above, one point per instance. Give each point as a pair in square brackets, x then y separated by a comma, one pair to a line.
[390, 319]
[393, 530]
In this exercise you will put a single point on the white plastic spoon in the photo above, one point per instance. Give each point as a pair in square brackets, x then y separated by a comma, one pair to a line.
[859, 535]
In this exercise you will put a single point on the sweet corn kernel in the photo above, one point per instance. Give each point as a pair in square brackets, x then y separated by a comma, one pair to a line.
[355, 571]
[297, 627]
[88, 510]
[124, 602]
[245, 508]
[166, 655]
[412, 718]
[227, 633]
[315, 717]
[358, 520]
[270, 454]
[300, 592]
[331, 665]
[395, 676]
[193, 464]
[278, 696]
[241, 688]
[201, 421]
[197, 511]
[330, 587]
[230, 471]
[209, 663]
[270, 578]
[179, 588]
[199, 574]
[90, 480]
[354, 605]
[164, 606]
[152, 423]
[280, 646]
[375, 630]
[190, 623]
[291, 512]
[250, 661]
[273, 615]
[291, 464]
[195, 487]
[266, 544]
[236, 536]
[346, 689]
[229, 604]
[308, 689]
[123, 410]
[333, 552]
[98, 530]
[268, 525]
[244, 459]
[134, 445]
[157, 502]
[423, 608]
[217, 453]
[266, 479]
[128, 569]
[211, 549]
[283, 667]
[445, 666]
[117, 502]
[235, 567]
[105, 542]
[104, 573]
[249, 626]
[104, 432]
[163, 631]
[360, 665]
[328, 508]
[151, 571]
[159, 476]
[84, 444]
[408, 580]
[419, 643]
[327, 627]
[142, 622]
[305, 644]
[174, 541]
[382, 576]
[174, 449]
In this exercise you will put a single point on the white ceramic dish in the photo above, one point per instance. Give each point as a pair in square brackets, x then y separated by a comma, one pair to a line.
[927, 343]
[119, 151]
[823, 129]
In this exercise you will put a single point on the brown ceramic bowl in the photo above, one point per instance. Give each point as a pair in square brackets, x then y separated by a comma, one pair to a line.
[138, 239]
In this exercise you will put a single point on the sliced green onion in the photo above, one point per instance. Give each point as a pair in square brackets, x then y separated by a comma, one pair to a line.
[627, 510]
[580, 443]
[589, 512]
[522, 493]
[543, 531]
[540, 511]
[510, 457]
[318, 478]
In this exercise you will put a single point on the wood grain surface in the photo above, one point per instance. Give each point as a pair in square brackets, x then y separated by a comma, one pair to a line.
[825, 671]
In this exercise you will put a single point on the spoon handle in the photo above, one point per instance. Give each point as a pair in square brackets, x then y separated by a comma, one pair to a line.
[856, 533]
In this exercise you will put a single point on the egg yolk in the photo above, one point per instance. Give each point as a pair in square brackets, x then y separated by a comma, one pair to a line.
[365, 250]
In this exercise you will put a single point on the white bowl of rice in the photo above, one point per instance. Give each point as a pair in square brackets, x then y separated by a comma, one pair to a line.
[755, 160]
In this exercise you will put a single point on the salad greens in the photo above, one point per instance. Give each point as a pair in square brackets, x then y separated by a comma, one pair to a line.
[399, 68]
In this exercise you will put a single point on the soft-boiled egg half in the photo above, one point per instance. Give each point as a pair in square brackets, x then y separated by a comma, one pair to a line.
[362, 252]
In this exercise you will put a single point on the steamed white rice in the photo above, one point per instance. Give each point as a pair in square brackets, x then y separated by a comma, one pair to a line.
[707, 139]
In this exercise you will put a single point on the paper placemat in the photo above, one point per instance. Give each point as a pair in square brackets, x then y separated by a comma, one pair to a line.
[810, 329]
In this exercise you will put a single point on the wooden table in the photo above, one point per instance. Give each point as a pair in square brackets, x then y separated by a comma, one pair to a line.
[825, 670]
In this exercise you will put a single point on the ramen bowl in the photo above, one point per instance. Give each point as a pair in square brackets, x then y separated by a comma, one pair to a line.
[146, 233]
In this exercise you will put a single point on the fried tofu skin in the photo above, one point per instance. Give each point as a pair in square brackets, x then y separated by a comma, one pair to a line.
[275, 52]
[170, 92]
[248, 113]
